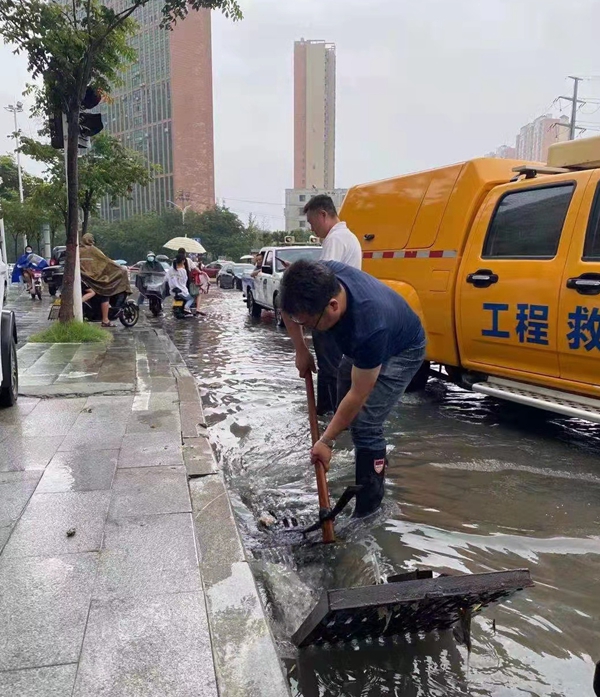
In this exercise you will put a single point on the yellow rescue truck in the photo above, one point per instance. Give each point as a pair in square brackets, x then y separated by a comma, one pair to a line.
[501, 260]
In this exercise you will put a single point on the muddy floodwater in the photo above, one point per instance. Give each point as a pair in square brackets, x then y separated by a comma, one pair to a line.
[473, 485]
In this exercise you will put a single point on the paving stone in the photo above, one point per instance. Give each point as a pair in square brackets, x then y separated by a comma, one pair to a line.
[75, 389]
[52, 681]
[246, 660]
[149, 491]
[187, 388]
[216, 532]
[147, 647]
[110, 404]
[43, 609]
[101, 437]
[15, 490]
[42, 529]
[198, 457]
[153, 421]
[25, 453]
[163, 400]
[79, 470]
[16, 414]
[192, 419]
[163, 384]
[4, 535]
[150, 450]
[148, 554]
[55, 417]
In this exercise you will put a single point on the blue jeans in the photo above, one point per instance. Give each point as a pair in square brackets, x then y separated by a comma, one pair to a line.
[394, 378]
[189, 301]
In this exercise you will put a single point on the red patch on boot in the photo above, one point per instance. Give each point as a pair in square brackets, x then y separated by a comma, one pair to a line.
[378, 465]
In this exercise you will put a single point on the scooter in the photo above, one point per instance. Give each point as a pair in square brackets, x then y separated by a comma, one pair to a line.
[179, 306]
[152, 287]
[121, 308]
[36, 283]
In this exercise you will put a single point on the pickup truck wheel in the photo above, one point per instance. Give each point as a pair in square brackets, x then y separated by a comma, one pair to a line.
[254, 309]
[419, 381]
[9, 389]
[278, 314]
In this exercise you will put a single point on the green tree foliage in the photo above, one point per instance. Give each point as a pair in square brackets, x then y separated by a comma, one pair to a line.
[222, 234]
[73, 45]
[107, 169]
[23, 219]
[20, 219]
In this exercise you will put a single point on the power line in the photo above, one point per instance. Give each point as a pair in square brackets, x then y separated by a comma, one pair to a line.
[245, 200]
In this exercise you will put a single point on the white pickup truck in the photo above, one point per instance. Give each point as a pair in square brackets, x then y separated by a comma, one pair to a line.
[264, 292]
[9, 374]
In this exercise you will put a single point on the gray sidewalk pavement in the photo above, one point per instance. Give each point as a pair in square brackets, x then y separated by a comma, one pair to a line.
[121, 567]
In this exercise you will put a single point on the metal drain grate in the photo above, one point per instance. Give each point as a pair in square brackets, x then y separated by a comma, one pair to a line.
[407, 606]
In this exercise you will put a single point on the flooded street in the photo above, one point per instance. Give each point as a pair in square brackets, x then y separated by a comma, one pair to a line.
[473, 485]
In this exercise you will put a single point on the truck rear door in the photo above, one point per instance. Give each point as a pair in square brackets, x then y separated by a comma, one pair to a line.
[509, 280]
[579, 310]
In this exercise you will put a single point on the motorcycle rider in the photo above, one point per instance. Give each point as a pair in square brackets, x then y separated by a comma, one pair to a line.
[148, 268]
[21, 269]
[178, 277]
[103, 276]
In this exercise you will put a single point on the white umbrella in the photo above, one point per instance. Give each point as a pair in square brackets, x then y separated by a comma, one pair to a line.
[190, 245]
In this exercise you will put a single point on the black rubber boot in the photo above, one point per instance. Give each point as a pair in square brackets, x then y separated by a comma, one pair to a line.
[370, 474]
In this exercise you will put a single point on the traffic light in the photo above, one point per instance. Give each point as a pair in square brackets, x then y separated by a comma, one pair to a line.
[89, 124]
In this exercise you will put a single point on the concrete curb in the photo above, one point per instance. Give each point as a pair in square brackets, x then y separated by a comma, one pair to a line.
[244, 650]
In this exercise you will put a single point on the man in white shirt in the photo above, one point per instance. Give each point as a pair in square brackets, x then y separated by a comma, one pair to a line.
[339, 244]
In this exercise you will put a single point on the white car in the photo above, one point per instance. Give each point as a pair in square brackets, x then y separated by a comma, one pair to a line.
[264, 292]
[9, 374]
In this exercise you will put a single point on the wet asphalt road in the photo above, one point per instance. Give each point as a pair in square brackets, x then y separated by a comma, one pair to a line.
[474, 485]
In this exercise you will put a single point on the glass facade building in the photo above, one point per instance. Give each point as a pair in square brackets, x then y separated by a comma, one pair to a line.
[163, 109]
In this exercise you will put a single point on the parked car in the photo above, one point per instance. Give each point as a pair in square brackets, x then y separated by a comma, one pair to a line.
[265, 291]
[9, 374]
[212, 269]
[230, 275]
[53, 274]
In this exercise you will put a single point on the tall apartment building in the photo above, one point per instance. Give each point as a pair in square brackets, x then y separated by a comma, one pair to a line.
[314, 115]
[536, 137]
[164, 109]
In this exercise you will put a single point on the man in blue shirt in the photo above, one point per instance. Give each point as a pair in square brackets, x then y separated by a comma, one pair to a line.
[383, 343]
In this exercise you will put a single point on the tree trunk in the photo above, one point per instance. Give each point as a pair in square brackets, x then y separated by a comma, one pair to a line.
[66, 307]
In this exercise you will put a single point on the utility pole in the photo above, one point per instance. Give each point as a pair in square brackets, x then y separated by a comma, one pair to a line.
[575, 102]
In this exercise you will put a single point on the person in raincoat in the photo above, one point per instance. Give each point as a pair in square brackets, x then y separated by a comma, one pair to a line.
[24, 263]
[103, 276]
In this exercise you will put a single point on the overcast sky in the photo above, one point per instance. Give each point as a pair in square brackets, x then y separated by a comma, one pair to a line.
[420, 83]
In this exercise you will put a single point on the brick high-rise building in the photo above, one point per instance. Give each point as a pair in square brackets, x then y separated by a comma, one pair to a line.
[314, 115]
[164, 109]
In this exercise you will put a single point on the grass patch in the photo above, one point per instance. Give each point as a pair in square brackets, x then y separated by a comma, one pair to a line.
[71, 333]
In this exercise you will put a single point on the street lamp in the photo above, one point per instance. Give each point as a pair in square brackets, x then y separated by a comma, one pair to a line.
[17, 109]
[183, 210]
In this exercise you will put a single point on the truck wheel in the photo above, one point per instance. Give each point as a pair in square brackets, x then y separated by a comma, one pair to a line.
[278, 314]
[253, 308]
[419, 381]
[9, 389]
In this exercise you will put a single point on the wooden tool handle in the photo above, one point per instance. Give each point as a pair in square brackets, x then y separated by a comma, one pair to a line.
[322, 488]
